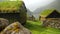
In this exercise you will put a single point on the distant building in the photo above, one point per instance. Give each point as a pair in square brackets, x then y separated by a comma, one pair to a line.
[32, 18]
[50, 18]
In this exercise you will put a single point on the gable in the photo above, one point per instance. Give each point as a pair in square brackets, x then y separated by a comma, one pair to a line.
[54, 14]
[45, 13]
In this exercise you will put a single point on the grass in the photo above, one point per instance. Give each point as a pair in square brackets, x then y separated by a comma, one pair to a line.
[10, 4]
[47, 12]
[36, 28]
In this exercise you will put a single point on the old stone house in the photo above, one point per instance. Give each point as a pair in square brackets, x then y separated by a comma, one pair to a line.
[32, 18]
[13, 11]
[50, 18]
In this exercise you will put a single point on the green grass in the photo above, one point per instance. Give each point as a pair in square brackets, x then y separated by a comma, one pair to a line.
[47, 12]
[37, 28]
[10, 4]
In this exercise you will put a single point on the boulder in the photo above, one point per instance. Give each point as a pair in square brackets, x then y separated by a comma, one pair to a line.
[15, 28]
[3, 23]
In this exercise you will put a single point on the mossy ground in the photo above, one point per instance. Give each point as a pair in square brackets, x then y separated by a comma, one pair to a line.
[37, 28]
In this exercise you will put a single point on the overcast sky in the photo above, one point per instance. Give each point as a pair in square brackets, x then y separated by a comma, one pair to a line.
[34, 4]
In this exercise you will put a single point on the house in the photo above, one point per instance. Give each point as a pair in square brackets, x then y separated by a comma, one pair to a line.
[13, 11]
[51, 18]
[32, 18]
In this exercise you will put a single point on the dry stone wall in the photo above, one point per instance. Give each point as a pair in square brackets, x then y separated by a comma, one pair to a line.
[53, 22]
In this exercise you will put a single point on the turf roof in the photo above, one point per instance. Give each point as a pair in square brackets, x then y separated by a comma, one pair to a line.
[10, 5]
[45, 13]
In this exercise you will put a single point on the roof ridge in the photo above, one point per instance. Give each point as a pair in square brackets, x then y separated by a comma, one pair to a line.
[46, 13]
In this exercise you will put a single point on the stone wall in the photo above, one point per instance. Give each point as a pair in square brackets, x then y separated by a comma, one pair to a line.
[52, 22]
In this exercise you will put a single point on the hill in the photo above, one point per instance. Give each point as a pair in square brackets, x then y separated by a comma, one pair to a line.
[53, 5]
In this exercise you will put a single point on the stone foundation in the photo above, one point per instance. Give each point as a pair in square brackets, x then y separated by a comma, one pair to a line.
[52, 22]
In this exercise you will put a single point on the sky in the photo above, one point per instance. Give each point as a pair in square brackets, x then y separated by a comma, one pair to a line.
[34, 4]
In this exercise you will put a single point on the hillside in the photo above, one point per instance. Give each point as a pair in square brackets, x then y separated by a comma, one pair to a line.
[29, 13]
[53, 5]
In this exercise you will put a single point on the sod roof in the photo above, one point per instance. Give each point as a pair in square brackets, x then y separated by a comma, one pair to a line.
[10, 5]
[45, 13]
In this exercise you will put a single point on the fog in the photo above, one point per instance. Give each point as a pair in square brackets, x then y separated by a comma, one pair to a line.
[34, 4]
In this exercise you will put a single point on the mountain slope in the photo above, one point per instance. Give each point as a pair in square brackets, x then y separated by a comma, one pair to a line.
[29, 13]
[53, 5]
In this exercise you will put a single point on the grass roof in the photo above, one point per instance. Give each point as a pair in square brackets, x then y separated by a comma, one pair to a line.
[10, 5]
[46, 12]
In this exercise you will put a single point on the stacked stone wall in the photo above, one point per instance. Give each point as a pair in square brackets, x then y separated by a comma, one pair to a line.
[52, 22]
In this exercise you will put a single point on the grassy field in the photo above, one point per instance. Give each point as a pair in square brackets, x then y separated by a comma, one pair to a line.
[36, 28]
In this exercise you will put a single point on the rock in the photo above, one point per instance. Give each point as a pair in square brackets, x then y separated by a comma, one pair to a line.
[15, 28]
[54, 23]
[3, 23]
